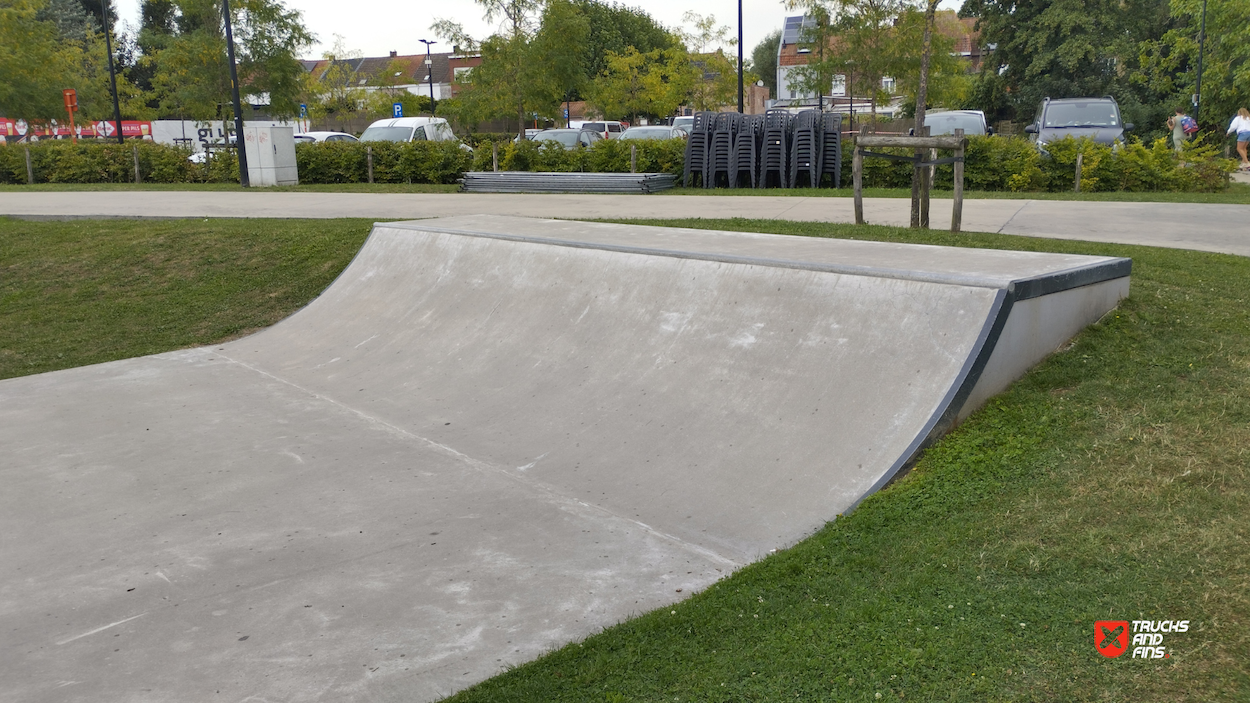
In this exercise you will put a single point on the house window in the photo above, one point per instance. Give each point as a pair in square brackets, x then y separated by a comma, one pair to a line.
[462, 74]
[839, 86]
[887, 84]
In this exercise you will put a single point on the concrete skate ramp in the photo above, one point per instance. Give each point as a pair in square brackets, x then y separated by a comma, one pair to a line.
[489, 437]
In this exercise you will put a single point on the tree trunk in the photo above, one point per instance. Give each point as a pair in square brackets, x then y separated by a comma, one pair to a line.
[922, 90]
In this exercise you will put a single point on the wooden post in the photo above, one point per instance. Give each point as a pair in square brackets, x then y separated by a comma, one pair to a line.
[30, 172]
[857, 173]
[957, 203]
[633, 158]
[924, 186]
[494, 156]
[135, 152]
[369, 161]
[1077, 189]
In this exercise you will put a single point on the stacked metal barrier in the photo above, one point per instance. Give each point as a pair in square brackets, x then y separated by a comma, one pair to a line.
[565, 182]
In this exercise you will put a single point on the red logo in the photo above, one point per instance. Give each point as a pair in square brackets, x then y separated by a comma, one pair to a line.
[1111, 637]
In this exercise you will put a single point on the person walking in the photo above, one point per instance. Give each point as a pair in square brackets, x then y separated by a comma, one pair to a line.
[1241, 126]
[1179, 124]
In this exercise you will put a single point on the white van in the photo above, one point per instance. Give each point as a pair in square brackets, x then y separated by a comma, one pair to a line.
[409, 129]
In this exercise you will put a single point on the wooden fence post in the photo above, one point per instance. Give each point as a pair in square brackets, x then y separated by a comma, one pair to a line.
[957, 202]
[1077, 189]
[30, 171]
[633, 158]
[857, 173]
[494, 156]
[369, 160]
[135, 152]
[925, 185]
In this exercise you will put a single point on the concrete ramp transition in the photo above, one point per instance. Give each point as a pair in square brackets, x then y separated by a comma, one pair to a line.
[489, 437]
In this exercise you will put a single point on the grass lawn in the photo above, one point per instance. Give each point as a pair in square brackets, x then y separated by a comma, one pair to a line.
[1110, 483]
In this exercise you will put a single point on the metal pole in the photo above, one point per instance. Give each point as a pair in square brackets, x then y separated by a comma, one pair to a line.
[108, 46]
[429, 64]
[741, 104]
[244, 179]
[1202, 37]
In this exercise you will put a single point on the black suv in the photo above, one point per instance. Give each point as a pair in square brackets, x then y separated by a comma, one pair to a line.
[1097, 118]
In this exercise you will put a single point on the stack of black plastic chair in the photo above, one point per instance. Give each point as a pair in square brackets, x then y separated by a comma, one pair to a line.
[720, 151]
[746, 154]
[831, 149]
[775, 149]
[697, 148]
[805, 148]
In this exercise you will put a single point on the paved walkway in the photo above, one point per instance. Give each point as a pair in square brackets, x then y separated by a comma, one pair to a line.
[1217, 228]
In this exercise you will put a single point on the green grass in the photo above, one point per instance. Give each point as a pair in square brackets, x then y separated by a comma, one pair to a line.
[89, 291]
[1110, 483]
[211, 187]
[1237, 194]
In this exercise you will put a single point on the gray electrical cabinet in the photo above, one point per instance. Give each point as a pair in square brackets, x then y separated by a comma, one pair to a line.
[270, 156]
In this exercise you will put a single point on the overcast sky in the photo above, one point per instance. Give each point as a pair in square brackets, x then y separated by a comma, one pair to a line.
[377, 27]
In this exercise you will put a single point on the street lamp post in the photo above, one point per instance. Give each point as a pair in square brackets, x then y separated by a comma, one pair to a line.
[245, 179]
[108, 47]
[429, 67]
[741, 104]
[850, 89]
[1202, 36]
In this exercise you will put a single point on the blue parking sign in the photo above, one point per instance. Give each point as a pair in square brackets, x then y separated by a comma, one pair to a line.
[398, 109]
[303, 110]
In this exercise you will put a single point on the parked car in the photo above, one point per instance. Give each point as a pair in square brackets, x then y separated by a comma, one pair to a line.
[685, 122]
[655, 132]
[1097, 118]
[972, 122]
[607, 130]
[411, 129]
[568, 138]
[312, 137]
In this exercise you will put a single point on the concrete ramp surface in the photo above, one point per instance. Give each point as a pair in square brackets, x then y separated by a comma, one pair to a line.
[489, 437]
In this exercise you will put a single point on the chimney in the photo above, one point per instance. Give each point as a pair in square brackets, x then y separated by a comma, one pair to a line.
[394, 54]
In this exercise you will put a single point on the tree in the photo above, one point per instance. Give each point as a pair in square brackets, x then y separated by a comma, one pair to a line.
[614, 28]
[1065, 48]
[1169, 63]
[559, 48]
[45, 48]
[192, 75]
[764, 60]
[634, 84]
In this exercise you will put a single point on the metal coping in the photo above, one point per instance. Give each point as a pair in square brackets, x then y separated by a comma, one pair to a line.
[1021, 289]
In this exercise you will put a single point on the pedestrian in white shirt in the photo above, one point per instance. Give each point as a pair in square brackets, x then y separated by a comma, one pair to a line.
[1241, 125]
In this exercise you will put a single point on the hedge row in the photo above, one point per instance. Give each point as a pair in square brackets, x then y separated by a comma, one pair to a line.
[393, 162]
[1015, 164]
[605, 156]
[60, 161]
[991, 163]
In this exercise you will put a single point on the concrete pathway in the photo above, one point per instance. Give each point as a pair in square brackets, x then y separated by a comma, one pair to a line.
[1216, 228]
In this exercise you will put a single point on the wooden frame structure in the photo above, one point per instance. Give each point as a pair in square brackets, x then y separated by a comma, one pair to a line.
[957, 143]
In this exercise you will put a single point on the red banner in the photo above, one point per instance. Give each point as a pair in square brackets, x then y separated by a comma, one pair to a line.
[20, 128]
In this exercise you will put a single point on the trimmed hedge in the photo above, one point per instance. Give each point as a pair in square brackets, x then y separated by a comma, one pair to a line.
[393, 162]
[992, 163]
[61, 161]
[1015, 164]
[605, 156]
